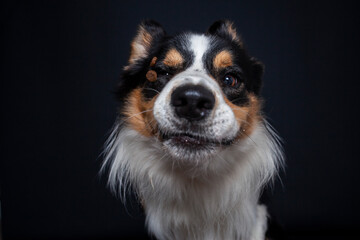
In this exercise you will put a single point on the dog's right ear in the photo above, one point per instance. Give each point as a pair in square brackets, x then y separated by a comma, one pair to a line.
[148, 33]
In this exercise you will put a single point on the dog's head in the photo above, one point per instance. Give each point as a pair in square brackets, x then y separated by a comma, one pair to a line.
[194, 94]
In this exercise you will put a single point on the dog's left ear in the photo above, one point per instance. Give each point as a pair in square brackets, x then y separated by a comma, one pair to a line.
[149, 32]
[257, 74]
[225, 29]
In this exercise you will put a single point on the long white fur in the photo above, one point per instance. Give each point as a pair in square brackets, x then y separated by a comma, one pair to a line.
[221, 204]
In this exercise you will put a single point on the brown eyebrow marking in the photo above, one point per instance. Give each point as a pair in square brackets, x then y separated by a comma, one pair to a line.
[222, 60]
[173, 58]
[153, 61]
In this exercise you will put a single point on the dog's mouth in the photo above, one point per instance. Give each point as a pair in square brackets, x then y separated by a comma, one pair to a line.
[193, 141]
[189, 146]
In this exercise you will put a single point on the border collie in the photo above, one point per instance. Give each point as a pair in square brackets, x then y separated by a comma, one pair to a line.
[191, 138]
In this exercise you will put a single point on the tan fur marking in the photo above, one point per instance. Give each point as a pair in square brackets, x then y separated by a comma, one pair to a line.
[140, 45]
[247, 116]
[173, 58]
[232, 31]
[139, 114]
[153, 61]
[222, 60]
[151, 75]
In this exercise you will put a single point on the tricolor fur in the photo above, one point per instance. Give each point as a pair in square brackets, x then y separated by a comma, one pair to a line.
[190, 138]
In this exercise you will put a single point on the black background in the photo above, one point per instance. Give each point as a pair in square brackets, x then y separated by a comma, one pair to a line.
[62, 59]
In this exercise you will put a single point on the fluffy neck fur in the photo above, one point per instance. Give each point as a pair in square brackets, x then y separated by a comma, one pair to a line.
[216, 199]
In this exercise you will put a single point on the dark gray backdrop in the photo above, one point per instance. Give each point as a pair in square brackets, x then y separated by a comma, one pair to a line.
[62, 59]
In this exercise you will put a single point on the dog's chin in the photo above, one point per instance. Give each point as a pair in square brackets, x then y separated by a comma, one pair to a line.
[192, 149]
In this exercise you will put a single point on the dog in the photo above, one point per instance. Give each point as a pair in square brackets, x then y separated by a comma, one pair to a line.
[191, 138]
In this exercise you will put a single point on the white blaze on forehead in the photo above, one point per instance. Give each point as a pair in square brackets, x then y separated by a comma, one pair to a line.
[199, 44]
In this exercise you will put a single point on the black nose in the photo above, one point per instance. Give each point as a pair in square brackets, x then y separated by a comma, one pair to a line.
[192, 102]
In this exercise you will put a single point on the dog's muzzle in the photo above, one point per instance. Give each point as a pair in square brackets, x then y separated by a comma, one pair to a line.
[194, 121]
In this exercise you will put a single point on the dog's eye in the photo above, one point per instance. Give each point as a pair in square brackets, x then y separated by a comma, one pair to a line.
[163, 73]
[230, 80]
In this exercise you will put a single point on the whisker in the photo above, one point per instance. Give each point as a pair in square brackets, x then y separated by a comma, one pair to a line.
[240, 98]
[152, 89]
[135, 115]
[239, 109]
[242, 120]
[242, 132]
[149, 124]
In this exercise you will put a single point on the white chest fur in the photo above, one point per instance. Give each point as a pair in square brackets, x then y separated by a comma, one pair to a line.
[217, 200]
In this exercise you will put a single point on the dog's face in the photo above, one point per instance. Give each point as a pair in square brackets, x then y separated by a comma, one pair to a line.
[193, 94]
